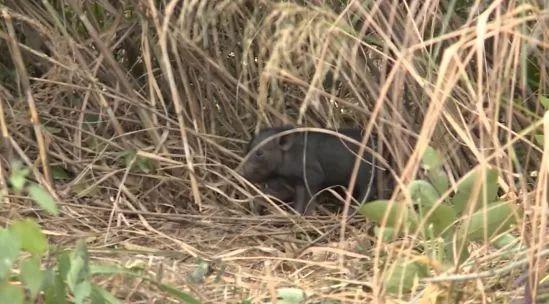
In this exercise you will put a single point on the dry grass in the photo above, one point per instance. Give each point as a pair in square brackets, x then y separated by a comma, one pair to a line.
[183, 84]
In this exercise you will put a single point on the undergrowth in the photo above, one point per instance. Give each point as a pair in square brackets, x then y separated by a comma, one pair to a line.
[122, 123]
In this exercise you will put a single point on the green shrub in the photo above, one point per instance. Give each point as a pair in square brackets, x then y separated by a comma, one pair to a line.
[471, 213]
[69, 279]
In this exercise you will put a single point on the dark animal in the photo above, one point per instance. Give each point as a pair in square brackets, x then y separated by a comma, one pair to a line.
[277, 188]
[309, 161]
[280, 189]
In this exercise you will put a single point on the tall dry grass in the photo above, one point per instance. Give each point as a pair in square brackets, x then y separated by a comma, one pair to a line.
[133, 114]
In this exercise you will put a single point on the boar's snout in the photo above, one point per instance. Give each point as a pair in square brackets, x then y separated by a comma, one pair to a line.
[247, 172]
[253, 173]
[240, 171]
[263, 158]
[256, 170]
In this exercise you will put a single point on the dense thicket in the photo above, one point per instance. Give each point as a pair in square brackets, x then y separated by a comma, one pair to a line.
[135, 113]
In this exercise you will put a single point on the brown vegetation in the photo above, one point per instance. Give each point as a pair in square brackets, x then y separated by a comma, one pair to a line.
[134, 115]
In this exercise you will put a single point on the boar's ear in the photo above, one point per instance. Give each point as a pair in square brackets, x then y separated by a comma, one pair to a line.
[285, 142]
[287, 126]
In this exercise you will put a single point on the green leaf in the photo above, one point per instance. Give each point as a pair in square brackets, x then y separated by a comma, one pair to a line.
[387, 233]
[533, 74]
[31, 237]
[113, 269]
[290, 296]
[539, 139]
[442, 218]
[129, 155]
[544, 100]
[146, 165]
[32, 276]
[74, 276]
[43, 198]
[451, 255]
[64, 264]
[52, 130]
[184, 297]
[54, 290]
[18, 176]
[11, 294]
[199, 273]
[464, 194]
[402, 274]
[423, 193]
[100, 295]
[499, 217]
[439, 180]
[95, 143]
[375, 211]
[91, 118]
[425, 196]
[431, 159]
[59, 173]
[9, 250]
[510, 245]
[505, 240]
[79, 270]
[81, 292]
[102, 269]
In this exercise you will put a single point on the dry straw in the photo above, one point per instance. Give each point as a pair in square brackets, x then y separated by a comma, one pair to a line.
[134, 115]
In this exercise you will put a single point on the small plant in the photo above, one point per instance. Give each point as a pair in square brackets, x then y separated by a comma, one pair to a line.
[444, 223]
[23, 245]
[69, 277]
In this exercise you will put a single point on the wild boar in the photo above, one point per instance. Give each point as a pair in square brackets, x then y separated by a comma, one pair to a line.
[309, 161]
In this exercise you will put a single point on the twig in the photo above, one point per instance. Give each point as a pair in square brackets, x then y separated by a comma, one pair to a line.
[25, 83]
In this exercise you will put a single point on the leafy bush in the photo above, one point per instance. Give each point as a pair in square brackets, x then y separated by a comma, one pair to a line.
[69, 278]
[151, 102]
[472, 213]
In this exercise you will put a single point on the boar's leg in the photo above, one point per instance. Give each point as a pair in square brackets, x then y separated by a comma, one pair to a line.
[312, 183]
[280, 189]
[302, 197]
[277, 188]
[303, 203]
